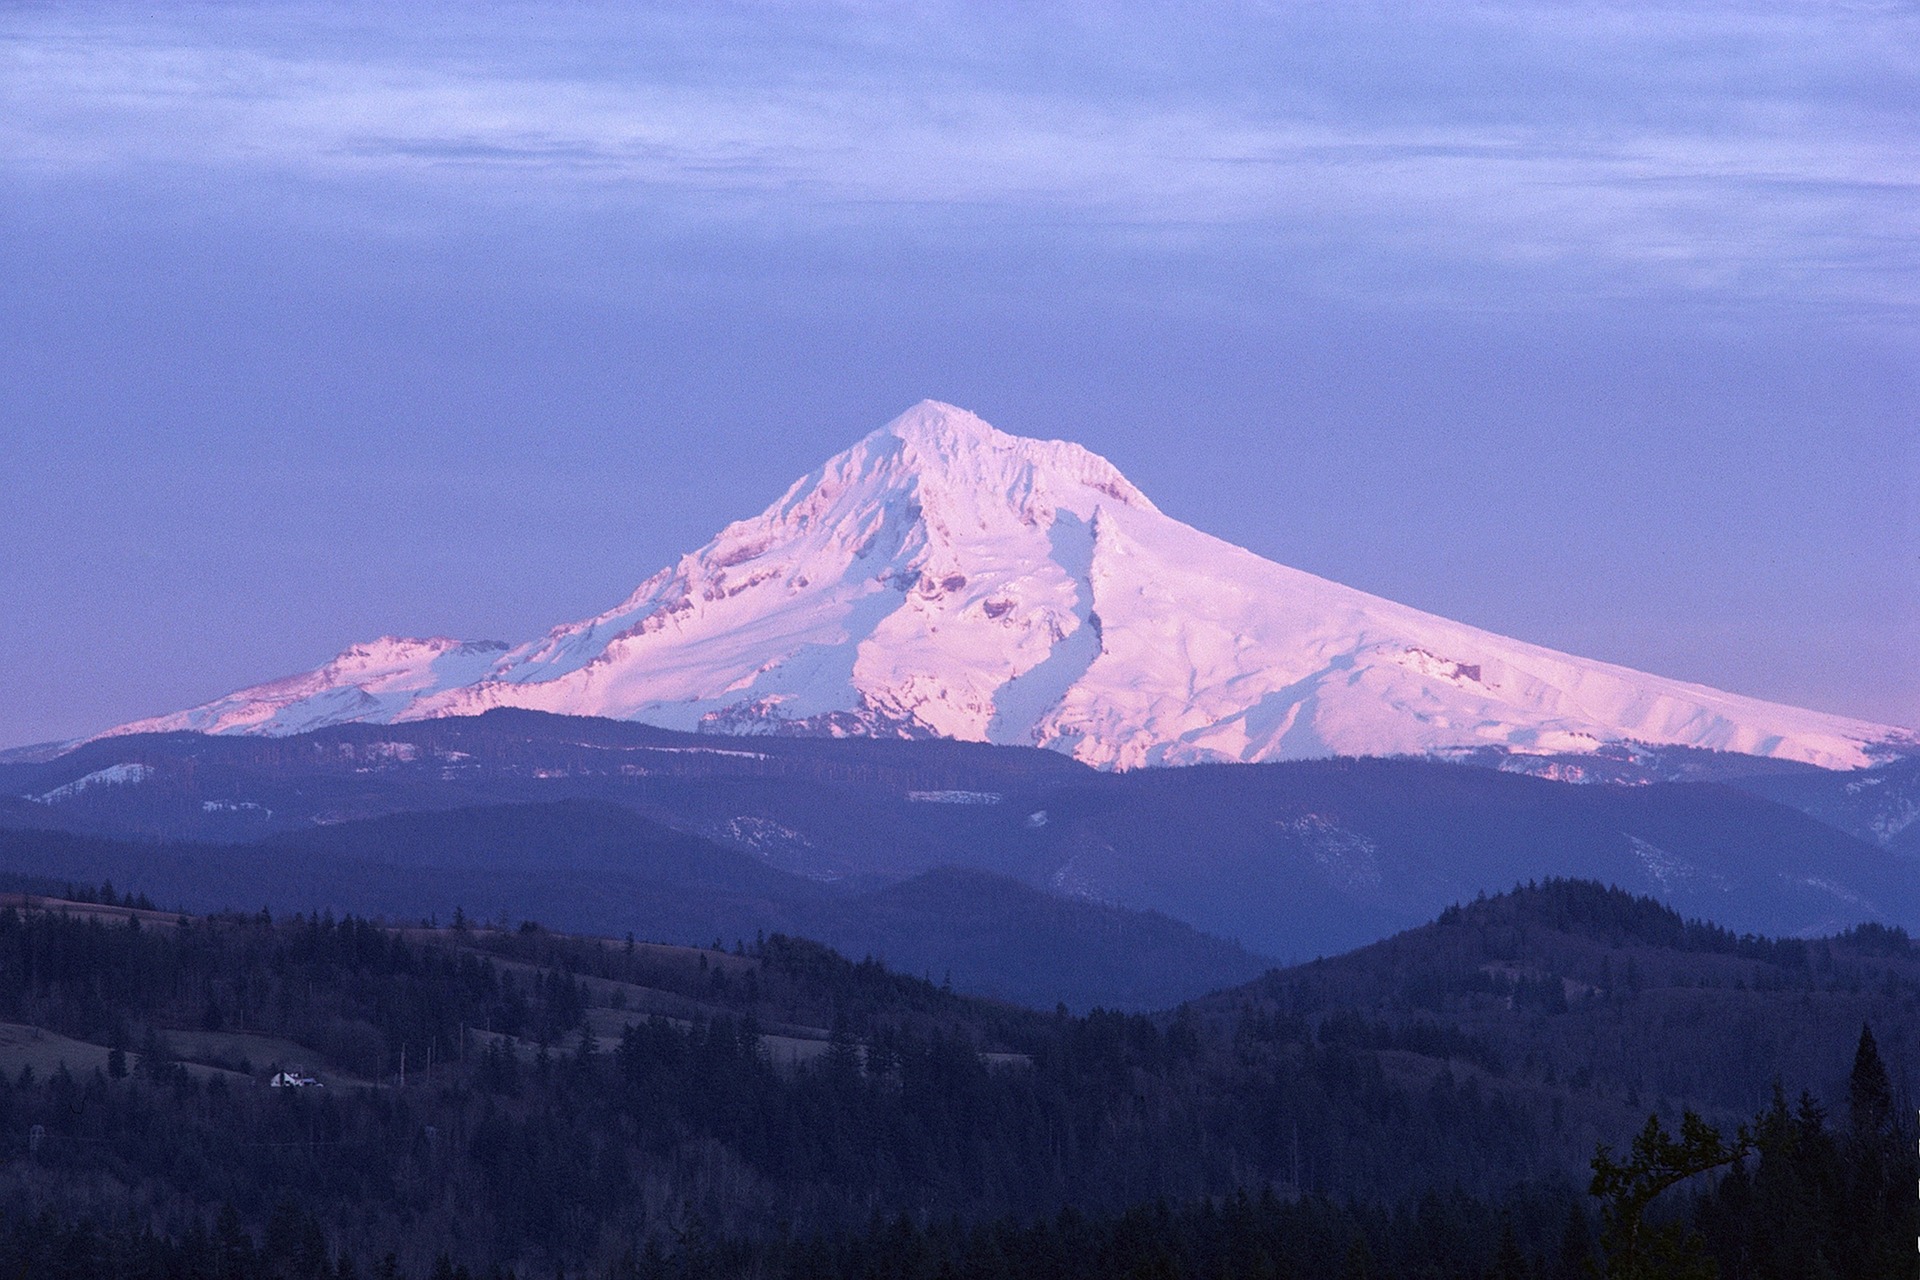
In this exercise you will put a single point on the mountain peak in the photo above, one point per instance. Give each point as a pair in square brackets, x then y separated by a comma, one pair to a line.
[942, 578]
[935, 423]
[948, 447]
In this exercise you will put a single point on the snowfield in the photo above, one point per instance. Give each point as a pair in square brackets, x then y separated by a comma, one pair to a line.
[944, 579]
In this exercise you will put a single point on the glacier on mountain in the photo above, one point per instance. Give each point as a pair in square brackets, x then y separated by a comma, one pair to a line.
[944, 579]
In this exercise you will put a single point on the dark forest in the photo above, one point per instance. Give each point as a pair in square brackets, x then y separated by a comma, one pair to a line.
[508, 1101]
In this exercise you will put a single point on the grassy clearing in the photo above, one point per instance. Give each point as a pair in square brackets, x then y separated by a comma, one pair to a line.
[45, 1051]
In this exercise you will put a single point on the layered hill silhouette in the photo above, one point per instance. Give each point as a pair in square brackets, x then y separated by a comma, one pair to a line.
[1290, 859]
[592, 867]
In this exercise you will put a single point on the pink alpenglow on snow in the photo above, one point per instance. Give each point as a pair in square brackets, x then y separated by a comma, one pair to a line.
[944, 579]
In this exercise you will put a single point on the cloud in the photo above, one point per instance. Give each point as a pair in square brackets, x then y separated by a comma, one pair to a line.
[1733, 150]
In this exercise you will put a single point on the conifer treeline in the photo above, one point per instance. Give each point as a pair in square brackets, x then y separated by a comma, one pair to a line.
[933, 1136]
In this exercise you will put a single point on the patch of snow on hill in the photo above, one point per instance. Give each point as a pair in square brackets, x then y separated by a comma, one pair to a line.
[954, 797]
[116, 775]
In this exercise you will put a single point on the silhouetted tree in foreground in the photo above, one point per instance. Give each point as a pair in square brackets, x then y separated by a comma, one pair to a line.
[1635, 1249]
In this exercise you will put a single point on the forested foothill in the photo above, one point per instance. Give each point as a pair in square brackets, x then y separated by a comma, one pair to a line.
[604, 826]
[498, 1099]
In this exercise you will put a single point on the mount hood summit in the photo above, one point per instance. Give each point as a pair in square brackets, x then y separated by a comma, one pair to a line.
[944, 579]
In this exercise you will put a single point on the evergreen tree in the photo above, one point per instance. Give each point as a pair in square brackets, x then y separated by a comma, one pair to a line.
[1635, 1249]
[1869, 1094]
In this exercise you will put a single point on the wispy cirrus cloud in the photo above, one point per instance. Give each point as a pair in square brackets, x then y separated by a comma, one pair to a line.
[1744, 150]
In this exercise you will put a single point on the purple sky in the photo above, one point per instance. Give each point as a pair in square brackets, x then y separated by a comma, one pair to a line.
[1593, 325]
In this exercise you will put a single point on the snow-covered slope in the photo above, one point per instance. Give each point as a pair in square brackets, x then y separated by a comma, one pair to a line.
[942, 578]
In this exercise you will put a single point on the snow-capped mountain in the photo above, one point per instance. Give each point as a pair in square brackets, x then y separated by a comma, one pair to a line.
[943, 578]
